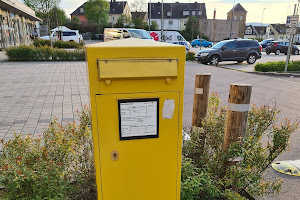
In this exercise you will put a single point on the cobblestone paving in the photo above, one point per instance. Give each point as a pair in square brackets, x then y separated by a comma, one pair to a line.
[33, 93]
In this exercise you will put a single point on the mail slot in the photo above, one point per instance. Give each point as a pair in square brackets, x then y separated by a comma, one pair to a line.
[136, 91]
[137, 68]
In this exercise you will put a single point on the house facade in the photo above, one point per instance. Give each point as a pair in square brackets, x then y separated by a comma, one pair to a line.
[175, 15]
[257, 32]
[279, 32]
[116, 9]
[17, 23]
[79, 12]
[238, 13]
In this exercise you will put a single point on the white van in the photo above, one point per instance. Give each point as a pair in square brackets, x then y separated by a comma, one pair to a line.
[65, 34]
[168, 36]
[123, 33]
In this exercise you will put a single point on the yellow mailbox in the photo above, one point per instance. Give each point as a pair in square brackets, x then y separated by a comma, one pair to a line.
[136, 90]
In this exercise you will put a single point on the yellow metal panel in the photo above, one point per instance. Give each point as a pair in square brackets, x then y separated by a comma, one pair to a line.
[137, 68]
[147, 169]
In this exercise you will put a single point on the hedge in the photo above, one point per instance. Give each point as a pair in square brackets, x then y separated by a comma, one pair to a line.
[277, 66]
[190, 56]
[44, 53]
[58, 44]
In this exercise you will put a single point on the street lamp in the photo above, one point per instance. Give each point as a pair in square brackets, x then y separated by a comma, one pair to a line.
[262, 17]
[232, 16]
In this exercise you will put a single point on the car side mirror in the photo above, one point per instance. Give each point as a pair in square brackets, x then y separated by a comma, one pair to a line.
[224, 47]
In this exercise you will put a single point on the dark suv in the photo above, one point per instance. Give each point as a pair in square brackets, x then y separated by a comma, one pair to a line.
[278, 47]
[231, 50]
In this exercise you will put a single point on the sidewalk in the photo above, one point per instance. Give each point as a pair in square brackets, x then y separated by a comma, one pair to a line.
[3, 57]
[33, 93]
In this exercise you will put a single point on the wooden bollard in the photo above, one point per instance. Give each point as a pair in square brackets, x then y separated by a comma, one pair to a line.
[237, 113]
[201, 97]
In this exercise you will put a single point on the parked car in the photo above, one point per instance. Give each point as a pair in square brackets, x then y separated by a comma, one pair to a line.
[231, 50]
[204, 43]
[278, 47]
[65, 34]
[265, 43]
[295, 49]
[123, 33]
[184, 43]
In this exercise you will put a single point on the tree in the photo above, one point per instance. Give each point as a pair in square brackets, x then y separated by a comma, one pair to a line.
[42, 8]
[192, 27]
[138, 23]
[122, 20]
[154, 26]
[96, 11]
[192, 30]
[74, 23]
[57, 17]
[138, 6]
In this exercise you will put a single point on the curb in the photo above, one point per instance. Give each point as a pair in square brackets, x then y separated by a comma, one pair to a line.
[291, 74]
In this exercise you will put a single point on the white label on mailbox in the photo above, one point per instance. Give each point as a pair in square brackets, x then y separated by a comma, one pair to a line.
[138, 119]
[168, 110]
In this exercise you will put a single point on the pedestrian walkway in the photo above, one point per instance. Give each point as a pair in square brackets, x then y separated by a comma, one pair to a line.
[33, 93]
[3, 57]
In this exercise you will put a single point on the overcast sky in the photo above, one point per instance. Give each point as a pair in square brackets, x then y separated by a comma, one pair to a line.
[276, 10]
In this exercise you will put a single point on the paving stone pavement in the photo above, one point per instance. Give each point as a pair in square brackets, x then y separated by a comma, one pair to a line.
[33, 93]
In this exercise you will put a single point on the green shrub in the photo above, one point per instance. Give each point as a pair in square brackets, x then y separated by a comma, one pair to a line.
[190, 56]
[43, 53]
[65, 55]
[196, 184]
[40, 42]
[28, 53]
[68, 45]
[209, 158]
[58, 44]
[277, 66]
[58, 165]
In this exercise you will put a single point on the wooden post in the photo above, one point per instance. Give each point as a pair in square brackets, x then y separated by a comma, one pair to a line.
[201, 96]
[237, 113]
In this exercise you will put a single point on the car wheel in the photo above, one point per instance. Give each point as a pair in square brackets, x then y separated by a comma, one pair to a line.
[277, 52]
[209, 46]
[296, 52]
[196, 45]
[214, 60]
[251, 59]
[268, 53]
[240, 61]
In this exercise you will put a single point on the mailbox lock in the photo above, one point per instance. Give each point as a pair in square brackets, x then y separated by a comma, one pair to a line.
[114, 155]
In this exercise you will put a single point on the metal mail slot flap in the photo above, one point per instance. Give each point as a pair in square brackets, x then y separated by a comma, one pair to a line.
[137, 68]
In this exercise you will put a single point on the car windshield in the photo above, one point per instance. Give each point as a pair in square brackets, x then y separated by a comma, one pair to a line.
[219, 45]
[141, 34]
